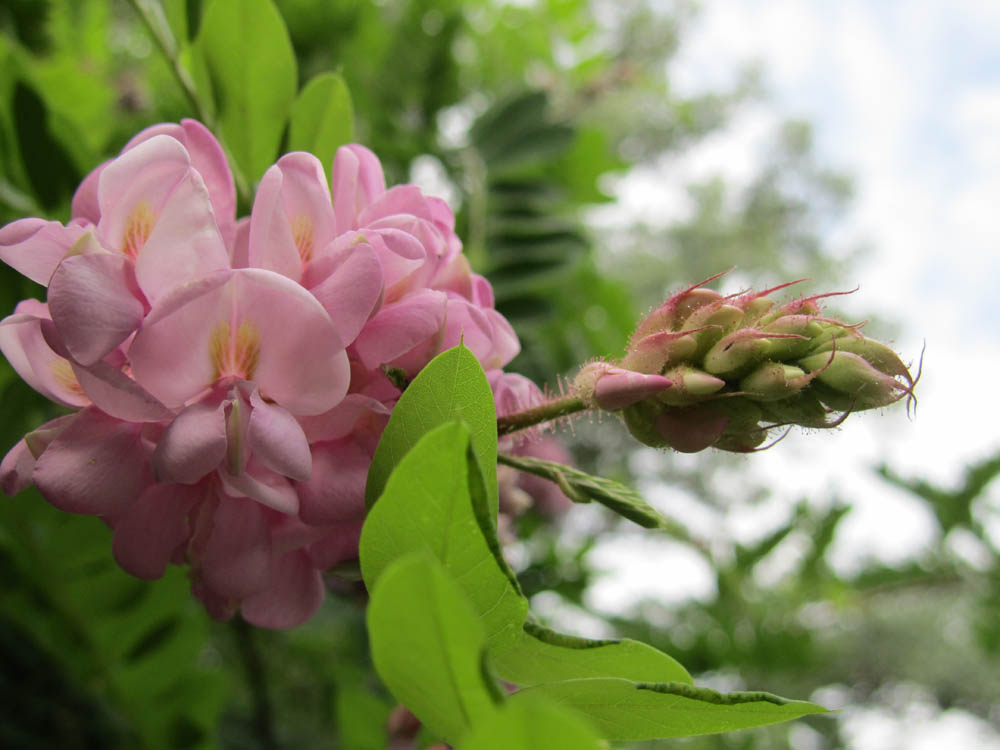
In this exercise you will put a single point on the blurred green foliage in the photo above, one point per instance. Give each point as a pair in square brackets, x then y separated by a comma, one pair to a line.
[524, 111]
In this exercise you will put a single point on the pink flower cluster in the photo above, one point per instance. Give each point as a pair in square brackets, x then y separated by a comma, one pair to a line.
[227, 377]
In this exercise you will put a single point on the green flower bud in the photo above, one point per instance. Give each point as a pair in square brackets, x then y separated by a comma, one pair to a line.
[691, 385]
[853, 376]
[739, 366]
[774, 380]
[737, 351]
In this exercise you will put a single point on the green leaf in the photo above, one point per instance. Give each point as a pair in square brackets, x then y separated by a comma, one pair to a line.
[323, 118]
[452, 386]
[532, 725]
[582, 487]
[542, 655]
[427, 645]
[626, 710]
[252, 69]
[435, 504]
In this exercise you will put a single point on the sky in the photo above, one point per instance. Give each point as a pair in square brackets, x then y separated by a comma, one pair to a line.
[905, 96]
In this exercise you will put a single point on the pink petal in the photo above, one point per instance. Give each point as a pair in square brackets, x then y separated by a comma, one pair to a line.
[39, 438]
[95, 304]
[97, 465]
[456, 276]
[277, 440]
[506, 345]
[16, 469]
[145, 174]
[293, 594]
[298, 361]
[338, 545]
[209, 159]
[154, 527]
[513, 392]
[336, 489]
[400, 199]
[352, 291]
[405, 262]
[241, 246]
[401, 327]
[185, 243]
[23, 344]
[193, 445]
[265, 486]
[341, 419]
[469, 325]
[85, 203]
[34, 247]
[115, 393]
[357, 181]
[271, 244]
[482, 292]
[235, 560]
[306, 194]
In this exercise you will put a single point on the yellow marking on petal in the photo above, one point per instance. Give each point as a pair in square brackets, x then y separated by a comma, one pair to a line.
[235, 355]
[63, 373]
[138, 227]
[302, 233]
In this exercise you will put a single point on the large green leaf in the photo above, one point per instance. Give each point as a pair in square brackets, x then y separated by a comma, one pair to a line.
[429, 506]
[434, 504]
[452, 386]
[251, 66]
[323, 118]
[626, 710]
[427, 645]
[532, 725]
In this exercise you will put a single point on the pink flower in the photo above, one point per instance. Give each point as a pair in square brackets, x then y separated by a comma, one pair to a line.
[229, 377]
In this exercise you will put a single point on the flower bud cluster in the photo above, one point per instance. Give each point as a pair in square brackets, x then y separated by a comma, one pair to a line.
[226, 379]
[707, 370]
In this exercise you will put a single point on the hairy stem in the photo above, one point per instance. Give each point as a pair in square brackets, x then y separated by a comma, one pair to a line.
[257, 680]
[547, 412]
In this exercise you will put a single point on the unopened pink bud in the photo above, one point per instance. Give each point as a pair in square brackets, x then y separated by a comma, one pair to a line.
[618, 388]
[612, 388]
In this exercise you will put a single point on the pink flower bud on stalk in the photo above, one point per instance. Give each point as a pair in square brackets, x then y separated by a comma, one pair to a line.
[706, 370]
[228, 377]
